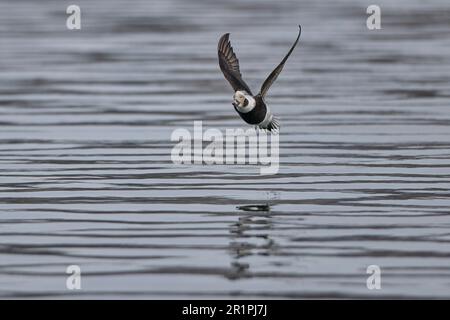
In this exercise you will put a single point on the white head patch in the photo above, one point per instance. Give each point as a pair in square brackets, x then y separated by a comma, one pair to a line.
[243, 101]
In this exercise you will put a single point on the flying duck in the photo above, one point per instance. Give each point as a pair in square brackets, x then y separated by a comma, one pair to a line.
[251, 108]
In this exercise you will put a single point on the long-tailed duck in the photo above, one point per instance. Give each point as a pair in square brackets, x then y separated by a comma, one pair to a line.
[252, 109]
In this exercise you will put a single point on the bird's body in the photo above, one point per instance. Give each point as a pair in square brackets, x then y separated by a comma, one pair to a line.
[252, 108]
[255, 112]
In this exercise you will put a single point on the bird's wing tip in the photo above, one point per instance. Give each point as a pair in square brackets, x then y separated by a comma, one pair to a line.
[225, 36]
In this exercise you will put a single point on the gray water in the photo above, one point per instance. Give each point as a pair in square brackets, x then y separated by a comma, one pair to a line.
[85, 171]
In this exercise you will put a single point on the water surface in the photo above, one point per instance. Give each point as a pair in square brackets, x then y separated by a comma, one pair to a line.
[86, 176]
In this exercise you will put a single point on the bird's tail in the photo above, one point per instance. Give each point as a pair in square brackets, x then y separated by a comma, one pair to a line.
[274, 125]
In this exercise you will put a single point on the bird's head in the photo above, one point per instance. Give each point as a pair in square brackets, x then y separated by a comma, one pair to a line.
[242, 100]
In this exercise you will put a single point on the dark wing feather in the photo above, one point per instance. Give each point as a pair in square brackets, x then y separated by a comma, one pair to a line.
[274, 75]
[229, 64]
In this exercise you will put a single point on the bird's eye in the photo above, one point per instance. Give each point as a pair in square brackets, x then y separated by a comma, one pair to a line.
[245, 102]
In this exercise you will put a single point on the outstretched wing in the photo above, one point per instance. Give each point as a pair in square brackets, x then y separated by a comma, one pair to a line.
[274, 75]
[229, 64]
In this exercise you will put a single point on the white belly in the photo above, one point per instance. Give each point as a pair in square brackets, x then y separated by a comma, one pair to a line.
[267, 119]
